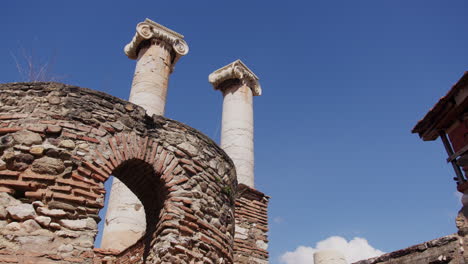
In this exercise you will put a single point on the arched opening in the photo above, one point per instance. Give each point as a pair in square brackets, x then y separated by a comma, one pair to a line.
[142, 180]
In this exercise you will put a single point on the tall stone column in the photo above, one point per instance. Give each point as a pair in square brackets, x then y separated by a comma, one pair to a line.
[156, 49]
[238, 85]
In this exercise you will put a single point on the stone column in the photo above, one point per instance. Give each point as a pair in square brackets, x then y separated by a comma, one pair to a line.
[238, 85]
[329, 257]
[156, 49]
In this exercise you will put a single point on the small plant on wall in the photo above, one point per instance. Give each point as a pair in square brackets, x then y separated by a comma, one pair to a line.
[34, 68]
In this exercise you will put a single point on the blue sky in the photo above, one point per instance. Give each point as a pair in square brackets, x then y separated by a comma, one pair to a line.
[343, 84]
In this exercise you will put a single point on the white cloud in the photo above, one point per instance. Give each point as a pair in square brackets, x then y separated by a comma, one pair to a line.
[356, 249]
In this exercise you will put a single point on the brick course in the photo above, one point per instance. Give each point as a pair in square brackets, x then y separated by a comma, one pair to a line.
[251, 240]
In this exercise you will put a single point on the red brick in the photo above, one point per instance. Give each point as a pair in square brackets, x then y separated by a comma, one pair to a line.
[186, 230]
[179, 181]
[59, 117]
[98, 132]
[9, 173]
[167, 162]
[76, 260]
[126, 153]
[185, 161]
[67, 125]
[101, 157]
[61, 188]
[71, 182]
[113, 161]
[97, 177]
[7, 190]
[180, 153]
[199, 163]
[68, 197]
[142, 152]
[34, 176]
[106, 169]
[77, 176]
[168, 172]
[85, 193]
[160, 161]
[36, 195]
[51, 122]
[83, 128]
[96, 170]
[153, 152]
[109, 129]
[10, 130]
[13, 116]
[190, 169]
[19, 184]
[114, 150]
[89, 139]
[181, 199]
[190, 217]
[84, 171]
[69, 135]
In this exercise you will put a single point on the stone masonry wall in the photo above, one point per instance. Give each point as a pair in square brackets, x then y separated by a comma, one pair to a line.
[59, 144]
[462, 225]
[251, 240]
[444, 250]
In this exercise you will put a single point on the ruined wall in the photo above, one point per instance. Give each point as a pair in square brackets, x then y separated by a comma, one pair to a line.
[462, 225]
[444, 250]
[251, 241]
[58, 146]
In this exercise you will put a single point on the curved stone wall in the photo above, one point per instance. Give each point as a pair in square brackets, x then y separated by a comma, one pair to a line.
[60, 143]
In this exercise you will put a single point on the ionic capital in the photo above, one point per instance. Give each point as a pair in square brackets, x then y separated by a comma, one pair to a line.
[236, 70]
[149, 29]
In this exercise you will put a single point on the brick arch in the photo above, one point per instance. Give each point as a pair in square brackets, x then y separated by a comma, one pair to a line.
[170, 171]
[59, 153]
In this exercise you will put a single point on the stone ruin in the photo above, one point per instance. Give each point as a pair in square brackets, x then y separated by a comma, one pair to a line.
[176, 198]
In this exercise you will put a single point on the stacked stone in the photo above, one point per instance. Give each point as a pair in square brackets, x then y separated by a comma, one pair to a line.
[442, 250]
[60, 143]
[462, 225]
[251, 240]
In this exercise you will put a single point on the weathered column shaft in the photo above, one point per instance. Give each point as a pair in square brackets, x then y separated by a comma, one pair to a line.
[156, 49]
[237, 130]
[125, 218]
[238, 85]
[149, 87]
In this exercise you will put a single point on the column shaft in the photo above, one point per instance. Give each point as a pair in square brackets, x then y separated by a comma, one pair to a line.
[149, 87]
[125, 219]
[237, 130]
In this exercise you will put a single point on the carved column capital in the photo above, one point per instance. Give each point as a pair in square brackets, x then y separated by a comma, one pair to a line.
[236, 70]
[149, 29]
